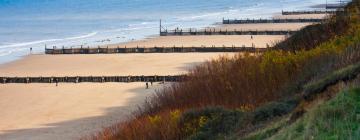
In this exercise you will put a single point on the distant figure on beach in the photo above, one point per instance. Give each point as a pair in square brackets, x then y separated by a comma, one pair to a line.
[252, 37]
[147, 85]
[57, 82]
[30, 49]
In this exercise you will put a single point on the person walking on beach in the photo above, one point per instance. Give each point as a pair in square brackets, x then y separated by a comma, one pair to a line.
[30, 50]
[147, 85]
[57, 82]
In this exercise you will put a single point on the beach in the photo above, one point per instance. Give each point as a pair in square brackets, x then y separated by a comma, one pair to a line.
[107, 64]
[202, 40]
[259, 41]
[67, 111]
[71, 111]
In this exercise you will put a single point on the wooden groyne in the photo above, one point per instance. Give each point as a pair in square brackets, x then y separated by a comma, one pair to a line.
[307, 12]
[335, 6]
[252, 21]
[97, 79]
[181, 32]
[108, 50]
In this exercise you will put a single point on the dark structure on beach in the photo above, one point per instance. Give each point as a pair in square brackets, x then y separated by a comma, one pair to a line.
[97, 79]
[307, 12]
[181, 32]
[108, 50]
[252, 21]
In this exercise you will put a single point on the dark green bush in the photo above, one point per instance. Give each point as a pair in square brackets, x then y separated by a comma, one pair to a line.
[273, 109]
[219, 123]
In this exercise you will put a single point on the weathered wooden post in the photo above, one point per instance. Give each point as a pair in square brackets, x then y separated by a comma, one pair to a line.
[160, 27]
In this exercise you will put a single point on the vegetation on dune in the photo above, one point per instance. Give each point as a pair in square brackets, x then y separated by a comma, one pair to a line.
[229, 98]
[312, 98]
[337, 119]
[344, 74]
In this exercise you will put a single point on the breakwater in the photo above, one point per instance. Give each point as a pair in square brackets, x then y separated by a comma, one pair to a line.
[252, 21]
[107, 50]
[98, 79]
[307, 12]
[181, 32]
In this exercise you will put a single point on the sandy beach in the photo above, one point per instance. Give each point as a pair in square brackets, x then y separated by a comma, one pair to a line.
[106, 65]
[259, 41]
[69, 111]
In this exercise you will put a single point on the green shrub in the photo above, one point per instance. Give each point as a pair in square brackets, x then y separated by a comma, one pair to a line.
[335, 119]
[345, 74]
[272, 109]
[219, 122]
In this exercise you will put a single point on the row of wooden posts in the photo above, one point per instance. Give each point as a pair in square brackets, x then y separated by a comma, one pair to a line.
[107, 50]
[181, 32]
[335, 6]
[251, 21]
[308, 12]
[97, 79]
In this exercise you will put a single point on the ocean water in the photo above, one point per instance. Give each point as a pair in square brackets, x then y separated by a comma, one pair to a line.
[71, 23]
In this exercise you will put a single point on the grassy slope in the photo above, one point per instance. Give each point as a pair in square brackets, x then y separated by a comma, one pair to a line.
[338, 118]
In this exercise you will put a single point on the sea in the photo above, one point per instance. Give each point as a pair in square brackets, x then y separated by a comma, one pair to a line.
[37, 24]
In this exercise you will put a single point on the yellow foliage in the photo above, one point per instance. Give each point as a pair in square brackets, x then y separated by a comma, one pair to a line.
[194, 125]
[202, 121]
[174, 116]
[245, 108]
[154, 120]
